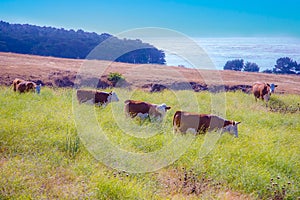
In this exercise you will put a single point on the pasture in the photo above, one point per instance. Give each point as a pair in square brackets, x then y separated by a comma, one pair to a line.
[45, 155]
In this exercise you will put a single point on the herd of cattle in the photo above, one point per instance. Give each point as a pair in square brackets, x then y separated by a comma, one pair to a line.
[182, 121]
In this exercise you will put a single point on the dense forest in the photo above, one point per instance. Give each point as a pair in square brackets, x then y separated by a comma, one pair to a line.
[49, 41]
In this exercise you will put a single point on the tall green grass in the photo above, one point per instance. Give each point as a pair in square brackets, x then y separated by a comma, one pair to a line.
[42, 155]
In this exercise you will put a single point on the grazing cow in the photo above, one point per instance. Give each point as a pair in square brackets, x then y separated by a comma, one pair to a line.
[143, 109]
[26, 86]
[192, 122]
[96, 97]
[263, 90]
[16, 82]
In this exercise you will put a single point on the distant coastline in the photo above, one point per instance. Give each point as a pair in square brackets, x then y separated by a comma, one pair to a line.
[263, 51]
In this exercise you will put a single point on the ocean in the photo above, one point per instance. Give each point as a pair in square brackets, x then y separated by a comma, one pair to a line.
[264, 51]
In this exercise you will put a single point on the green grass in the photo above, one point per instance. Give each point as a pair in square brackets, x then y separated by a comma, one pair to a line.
[44, 153]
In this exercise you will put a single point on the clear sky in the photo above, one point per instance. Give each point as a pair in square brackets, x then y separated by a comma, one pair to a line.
[202, 18]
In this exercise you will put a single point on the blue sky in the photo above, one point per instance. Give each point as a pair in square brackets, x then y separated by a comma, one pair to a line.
[208, 18]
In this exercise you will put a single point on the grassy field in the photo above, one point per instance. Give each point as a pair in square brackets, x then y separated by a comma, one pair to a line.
[45, 155]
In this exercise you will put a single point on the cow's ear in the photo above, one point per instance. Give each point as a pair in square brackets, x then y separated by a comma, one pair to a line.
[276, 85]
[268, 84]
[237, 123]
[168, 108]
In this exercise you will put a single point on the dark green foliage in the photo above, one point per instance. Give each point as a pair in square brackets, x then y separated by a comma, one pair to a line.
[236, 65]
[115, 77]
[251, 67]
[268, 71]
[286, 66]
[48, 41]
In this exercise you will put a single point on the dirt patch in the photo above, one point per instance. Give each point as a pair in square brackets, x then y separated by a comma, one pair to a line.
[62, 72]
[187, 184]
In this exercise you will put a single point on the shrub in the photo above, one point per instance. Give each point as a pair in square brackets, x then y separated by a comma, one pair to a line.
[236, 65]
[286, 66]
[115, 77]
[251, 67]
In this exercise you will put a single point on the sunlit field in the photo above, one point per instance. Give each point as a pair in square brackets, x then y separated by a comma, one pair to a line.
[45, 153]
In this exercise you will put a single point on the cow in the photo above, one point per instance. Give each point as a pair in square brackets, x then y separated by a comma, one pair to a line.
[26, 86]
[201, 123]
[96, 97]
[144, 109]
[263, 91]
[16, 82]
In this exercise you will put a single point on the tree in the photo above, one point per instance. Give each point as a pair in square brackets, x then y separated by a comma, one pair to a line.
[251, 67]
[236, 65]
[286, 65]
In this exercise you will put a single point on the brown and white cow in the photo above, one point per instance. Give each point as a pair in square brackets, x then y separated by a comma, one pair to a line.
[263, 91]
[96, 97]
[144, 109]
[201, 123]
[26, 86]
[16, 82]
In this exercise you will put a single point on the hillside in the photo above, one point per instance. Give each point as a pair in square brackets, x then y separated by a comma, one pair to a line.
[62, 72]
[50, 41]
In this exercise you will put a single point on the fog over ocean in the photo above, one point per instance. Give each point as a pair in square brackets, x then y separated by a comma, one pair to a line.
[264, 51]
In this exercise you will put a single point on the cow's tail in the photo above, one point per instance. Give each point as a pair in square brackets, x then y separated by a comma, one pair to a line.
[176, 120]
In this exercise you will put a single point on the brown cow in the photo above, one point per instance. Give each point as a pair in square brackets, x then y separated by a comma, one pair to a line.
[143, 109]
[26, 86]
[16, 82]
[96, 97]
[263, 90]
[186, 121]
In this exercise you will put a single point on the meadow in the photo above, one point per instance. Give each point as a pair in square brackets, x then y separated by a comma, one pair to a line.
[51, 149]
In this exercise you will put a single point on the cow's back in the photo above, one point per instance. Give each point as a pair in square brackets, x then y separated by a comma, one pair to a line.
[85, 95]
[137, 107]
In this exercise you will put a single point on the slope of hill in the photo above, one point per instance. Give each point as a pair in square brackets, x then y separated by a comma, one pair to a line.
[62, 72]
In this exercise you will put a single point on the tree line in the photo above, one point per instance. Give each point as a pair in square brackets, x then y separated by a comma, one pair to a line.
[284, 65]
[49, 41]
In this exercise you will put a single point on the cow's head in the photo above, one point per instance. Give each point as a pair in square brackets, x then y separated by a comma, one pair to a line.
[272, 87]
[162, 109]
[232, 128]
[112, 97]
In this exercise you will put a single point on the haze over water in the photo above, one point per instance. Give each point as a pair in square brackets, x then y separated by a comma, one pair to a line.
[264, 51]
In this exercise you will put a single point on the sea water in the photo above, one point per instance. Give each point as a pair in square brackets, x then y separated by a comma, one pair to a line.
[264, 51]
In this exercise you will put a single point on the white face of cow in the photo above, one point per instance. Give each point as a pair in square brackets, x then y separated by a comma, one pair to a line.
[113, 97]
[272, 87]
[233, 129]
[162, 109]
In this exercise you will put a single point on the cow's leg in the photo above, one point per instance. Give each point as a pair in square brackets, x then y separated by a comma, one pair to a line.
[132, 114]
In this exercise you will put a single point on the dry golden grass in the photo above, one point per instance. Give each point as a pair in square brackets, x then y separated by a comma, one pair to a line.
[47, 69]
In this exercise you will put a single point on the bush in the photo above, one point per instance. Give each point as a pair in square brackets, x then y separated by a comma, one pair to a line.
[236, 65]
[115, 77]
[251, 67]
[268, 71]
[286, 66]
